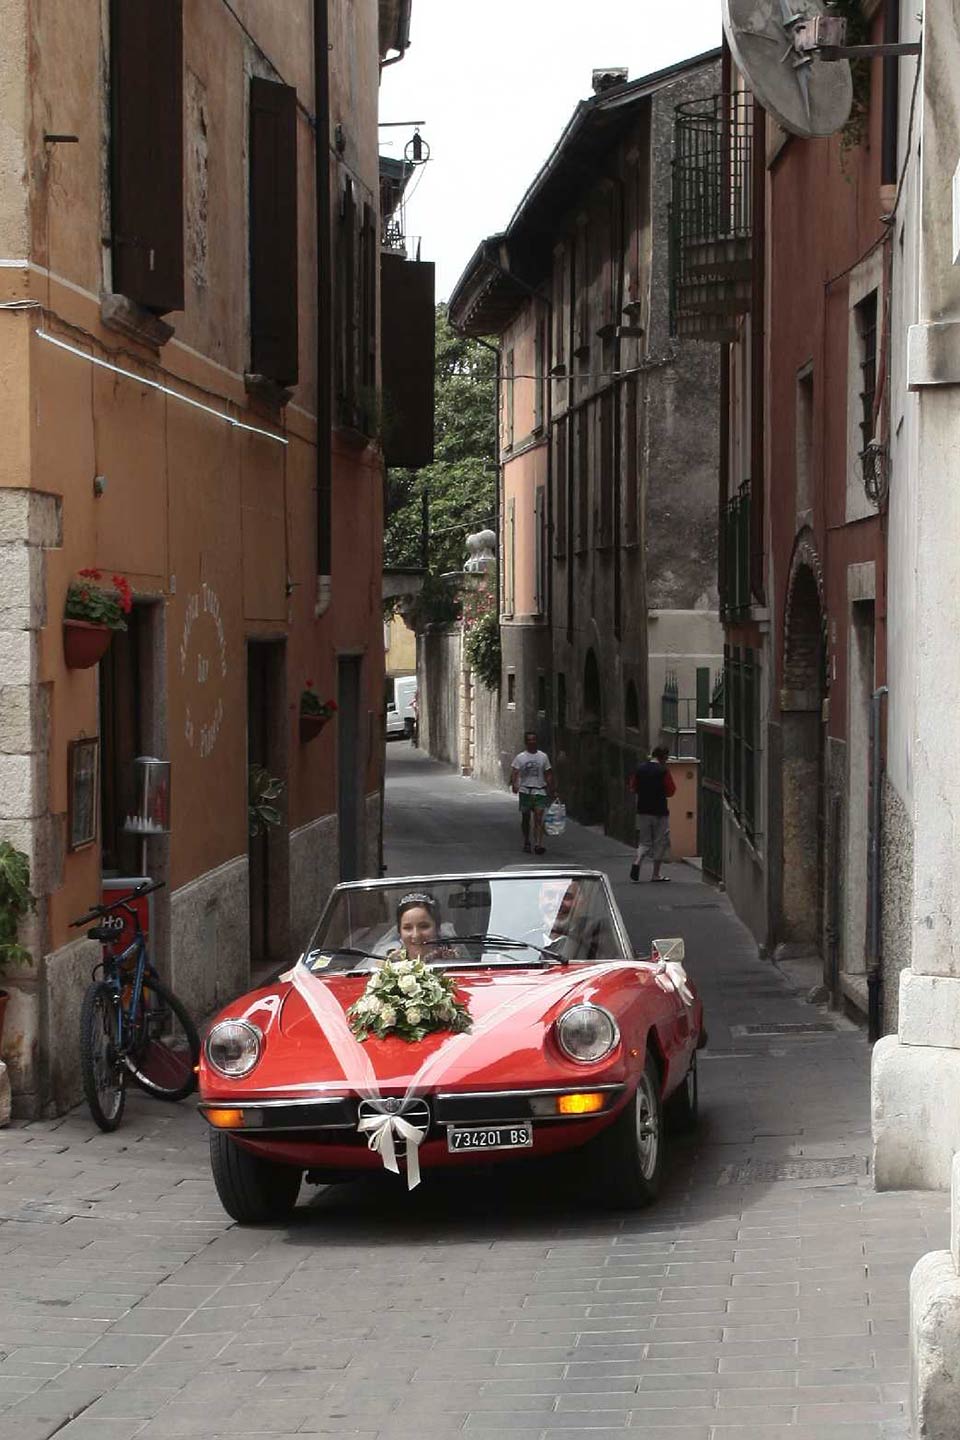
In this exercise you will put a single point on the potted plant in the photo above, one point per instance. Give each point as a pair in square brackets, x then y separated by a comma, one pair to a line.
[16, 902]
[90, 616]
[262, 789]
[314, 712]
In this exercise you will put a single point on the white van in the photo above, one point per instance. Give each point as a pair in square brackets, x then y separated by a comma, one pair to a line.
[401, 711]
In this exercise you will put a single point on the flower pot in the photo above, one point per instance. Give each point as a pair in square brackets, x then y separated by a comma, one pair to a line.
[311, 725]
[84, 644]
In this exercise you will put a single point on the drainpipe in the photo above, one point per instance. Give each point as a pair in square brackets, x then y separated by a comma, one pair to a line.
[891, 95]
[874, 974]
[324, 460]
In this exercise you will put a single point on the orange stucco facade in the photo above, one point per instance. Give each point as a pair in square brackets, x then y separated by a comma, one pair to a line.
[215, 526]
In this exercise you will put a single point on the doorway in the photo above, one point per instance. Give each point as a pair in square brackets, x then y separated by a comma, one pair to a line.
[269, 848]
[350, 767]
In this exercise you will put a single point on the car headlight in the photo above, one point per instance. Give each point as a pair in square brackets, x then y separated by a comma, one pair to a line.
[233, 1047]
[587, 1032]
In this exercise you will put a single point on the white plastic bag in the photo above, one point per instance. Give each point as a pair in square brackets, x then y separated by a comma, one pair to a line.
[555, 819]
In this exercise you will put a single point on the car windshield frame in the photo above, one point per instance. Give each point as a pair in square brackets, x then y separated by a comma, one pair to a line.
[358, 958]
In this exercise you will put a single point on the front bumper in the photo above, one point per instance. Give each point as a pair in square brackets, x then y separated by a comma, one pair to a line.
[323, 1131]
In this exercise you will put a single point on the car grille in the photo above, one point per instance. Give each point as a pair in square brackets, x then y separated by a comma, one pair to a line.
[415, 1111]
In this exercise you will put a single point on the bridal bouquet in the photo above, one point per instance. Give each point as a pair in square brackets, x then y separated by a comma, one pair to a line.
[407, 998]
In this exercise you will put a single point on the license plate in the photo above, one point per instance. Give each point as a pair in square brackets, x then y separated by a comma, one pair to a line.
[490, 1137]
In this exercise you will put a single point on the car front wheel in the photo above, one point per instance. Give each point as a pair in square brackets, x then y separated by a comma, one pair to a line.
[252, 1190]
[683, 1107]
[630, 1153]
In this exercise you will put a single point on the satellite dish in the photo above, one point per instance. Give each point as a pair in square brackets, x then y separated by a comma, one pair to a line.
[807, 95]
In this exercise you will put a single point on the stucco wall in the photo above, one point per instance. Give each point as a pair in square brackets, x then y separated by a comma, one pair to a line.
[215, 527]
[438, 684]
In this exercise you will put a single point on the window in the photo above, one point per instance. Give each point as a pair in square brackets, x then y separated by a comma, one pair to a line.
[561, 701]
[560, 441]
[510, 558]
[511, 687]
[357, 259]
[631, 504]
[866, 320]
[542, 696]
[804, 440]
[583, 477]
[540, 369]
[607, 477]
[741, 729]
[539, 550]
[273, 231]
[146, 152]
[631, 707]
[509, 384]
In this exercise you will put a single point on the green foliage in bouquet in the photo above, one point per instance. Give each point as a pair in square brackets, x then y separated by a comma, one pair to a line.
[407, 998]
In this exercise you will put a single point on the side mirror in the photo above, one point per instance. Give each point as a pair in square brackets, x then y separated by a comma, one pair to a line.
[673, 949]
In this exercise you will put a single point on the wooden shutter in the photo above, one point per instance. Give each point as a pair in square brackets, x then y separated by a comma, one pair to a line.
[347, 297]
[146, 62]
[273, 230]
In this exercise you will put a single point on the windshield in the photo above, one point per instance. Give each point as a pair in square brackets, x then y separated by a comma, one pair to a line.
[508, 920]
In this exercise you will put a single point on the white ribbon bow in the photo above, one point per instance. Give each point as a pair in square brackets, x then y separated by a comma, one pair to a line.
[380, 1131]
[670, 974]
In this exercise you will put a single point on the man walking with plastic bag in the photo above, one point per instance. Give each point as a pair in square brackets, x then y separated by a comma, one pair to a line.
[531, 778]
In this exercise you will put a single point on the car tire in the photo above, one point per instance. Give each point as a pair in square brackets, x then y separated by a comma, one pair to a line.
[630, 1153]
[682, 1109]
[253, 1191]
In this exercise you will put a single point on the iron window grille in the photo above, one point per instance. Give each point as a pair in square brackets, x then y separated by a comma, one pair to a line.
[710, 216]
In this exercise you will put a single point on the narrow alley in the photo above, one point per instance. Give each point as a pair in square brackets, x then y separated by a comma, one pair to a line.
[764, 1296]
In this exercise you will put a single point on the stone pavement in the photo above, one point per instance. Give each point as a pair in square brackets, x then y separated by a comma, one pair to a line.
[763, 1297]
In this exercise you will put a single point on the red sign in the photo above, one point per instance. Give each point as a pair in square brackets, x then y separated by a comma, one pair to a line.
[117, 889]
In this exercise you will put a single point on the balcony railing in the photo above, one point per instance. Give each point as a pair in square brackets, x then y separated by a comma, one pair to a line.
[710, 219]
[735, 596]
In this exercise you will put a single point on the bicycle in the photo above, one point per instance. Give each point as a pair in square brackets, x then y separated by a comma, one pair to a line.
[130, 1022]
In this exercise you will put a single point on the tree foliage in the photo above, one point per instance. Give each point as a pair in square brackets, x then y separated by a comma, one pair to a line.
[460, 484]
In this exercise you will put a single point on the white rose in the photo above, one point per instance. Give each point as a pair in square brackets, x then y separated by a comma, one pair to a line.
[388, 1015]
[403, 967]
[370, 1005]
[409, 984]
[413, 1014]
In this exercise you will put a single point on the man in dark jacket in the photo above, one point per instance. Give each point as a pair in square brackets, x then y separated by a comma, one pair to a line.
[652, 784]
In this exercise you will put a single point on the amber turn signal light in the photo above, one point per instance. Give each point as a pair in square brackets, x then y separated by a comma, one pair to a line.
[586, 1103]
[225, 1119]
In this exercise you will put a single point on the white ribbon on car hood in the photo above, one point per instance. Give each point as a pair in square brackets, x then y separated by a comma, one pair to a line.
[384, 1129]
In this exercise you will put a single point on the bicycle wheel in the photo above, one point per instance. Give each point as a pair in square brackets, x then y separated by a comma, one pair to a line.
[167, 1046]
[104, 1078]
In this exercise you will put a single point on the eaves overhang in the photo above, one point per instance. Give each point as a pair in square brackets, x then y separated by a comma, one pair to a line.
[393, 28]
[505, 268]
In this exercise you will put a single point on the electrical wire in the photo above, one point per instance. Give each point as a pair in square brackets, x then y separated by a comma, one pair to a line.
[161, 389]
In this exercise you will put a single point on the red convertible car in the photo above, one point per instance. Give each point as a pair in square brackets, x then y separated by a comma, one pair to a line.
[444, 1021]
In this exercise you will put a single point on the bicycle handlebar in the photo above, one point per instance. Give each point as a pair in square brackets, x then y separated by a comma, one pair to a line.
[147, 888]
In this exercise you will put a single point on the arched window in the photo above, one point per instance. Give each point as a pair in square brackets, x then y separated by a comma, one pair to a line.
[631, 707]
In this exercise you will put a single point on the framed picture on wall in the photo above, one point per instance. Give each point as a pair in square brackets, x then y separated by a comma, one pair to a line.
[83, 760]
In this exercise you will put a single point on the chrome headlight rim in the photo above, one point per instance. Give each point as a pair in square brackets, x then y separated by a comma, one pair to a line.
[600, 1010]
[238, 1071]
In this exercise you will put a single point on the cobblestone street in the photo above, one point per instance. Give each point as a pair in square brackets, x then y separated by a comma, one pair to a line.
[765, 1296]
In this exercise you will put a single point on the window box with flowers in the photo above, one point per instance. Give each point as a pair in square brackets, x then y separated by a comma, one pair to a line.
[314, 712]
[90, 616]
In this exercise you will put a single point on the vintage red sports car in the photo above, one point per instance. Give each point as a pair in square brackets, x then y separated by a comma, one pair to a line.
[520, 1023]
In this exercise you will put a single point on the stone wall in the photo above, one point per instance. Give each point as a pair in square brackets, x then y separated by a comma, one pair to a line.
[896, 897]
[438, 689]
[30, 524]
[210, 935]
[314, 870]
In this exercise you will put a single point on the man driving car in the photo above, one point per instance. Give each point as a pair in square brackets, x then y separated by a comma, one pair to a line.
[564, 930]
